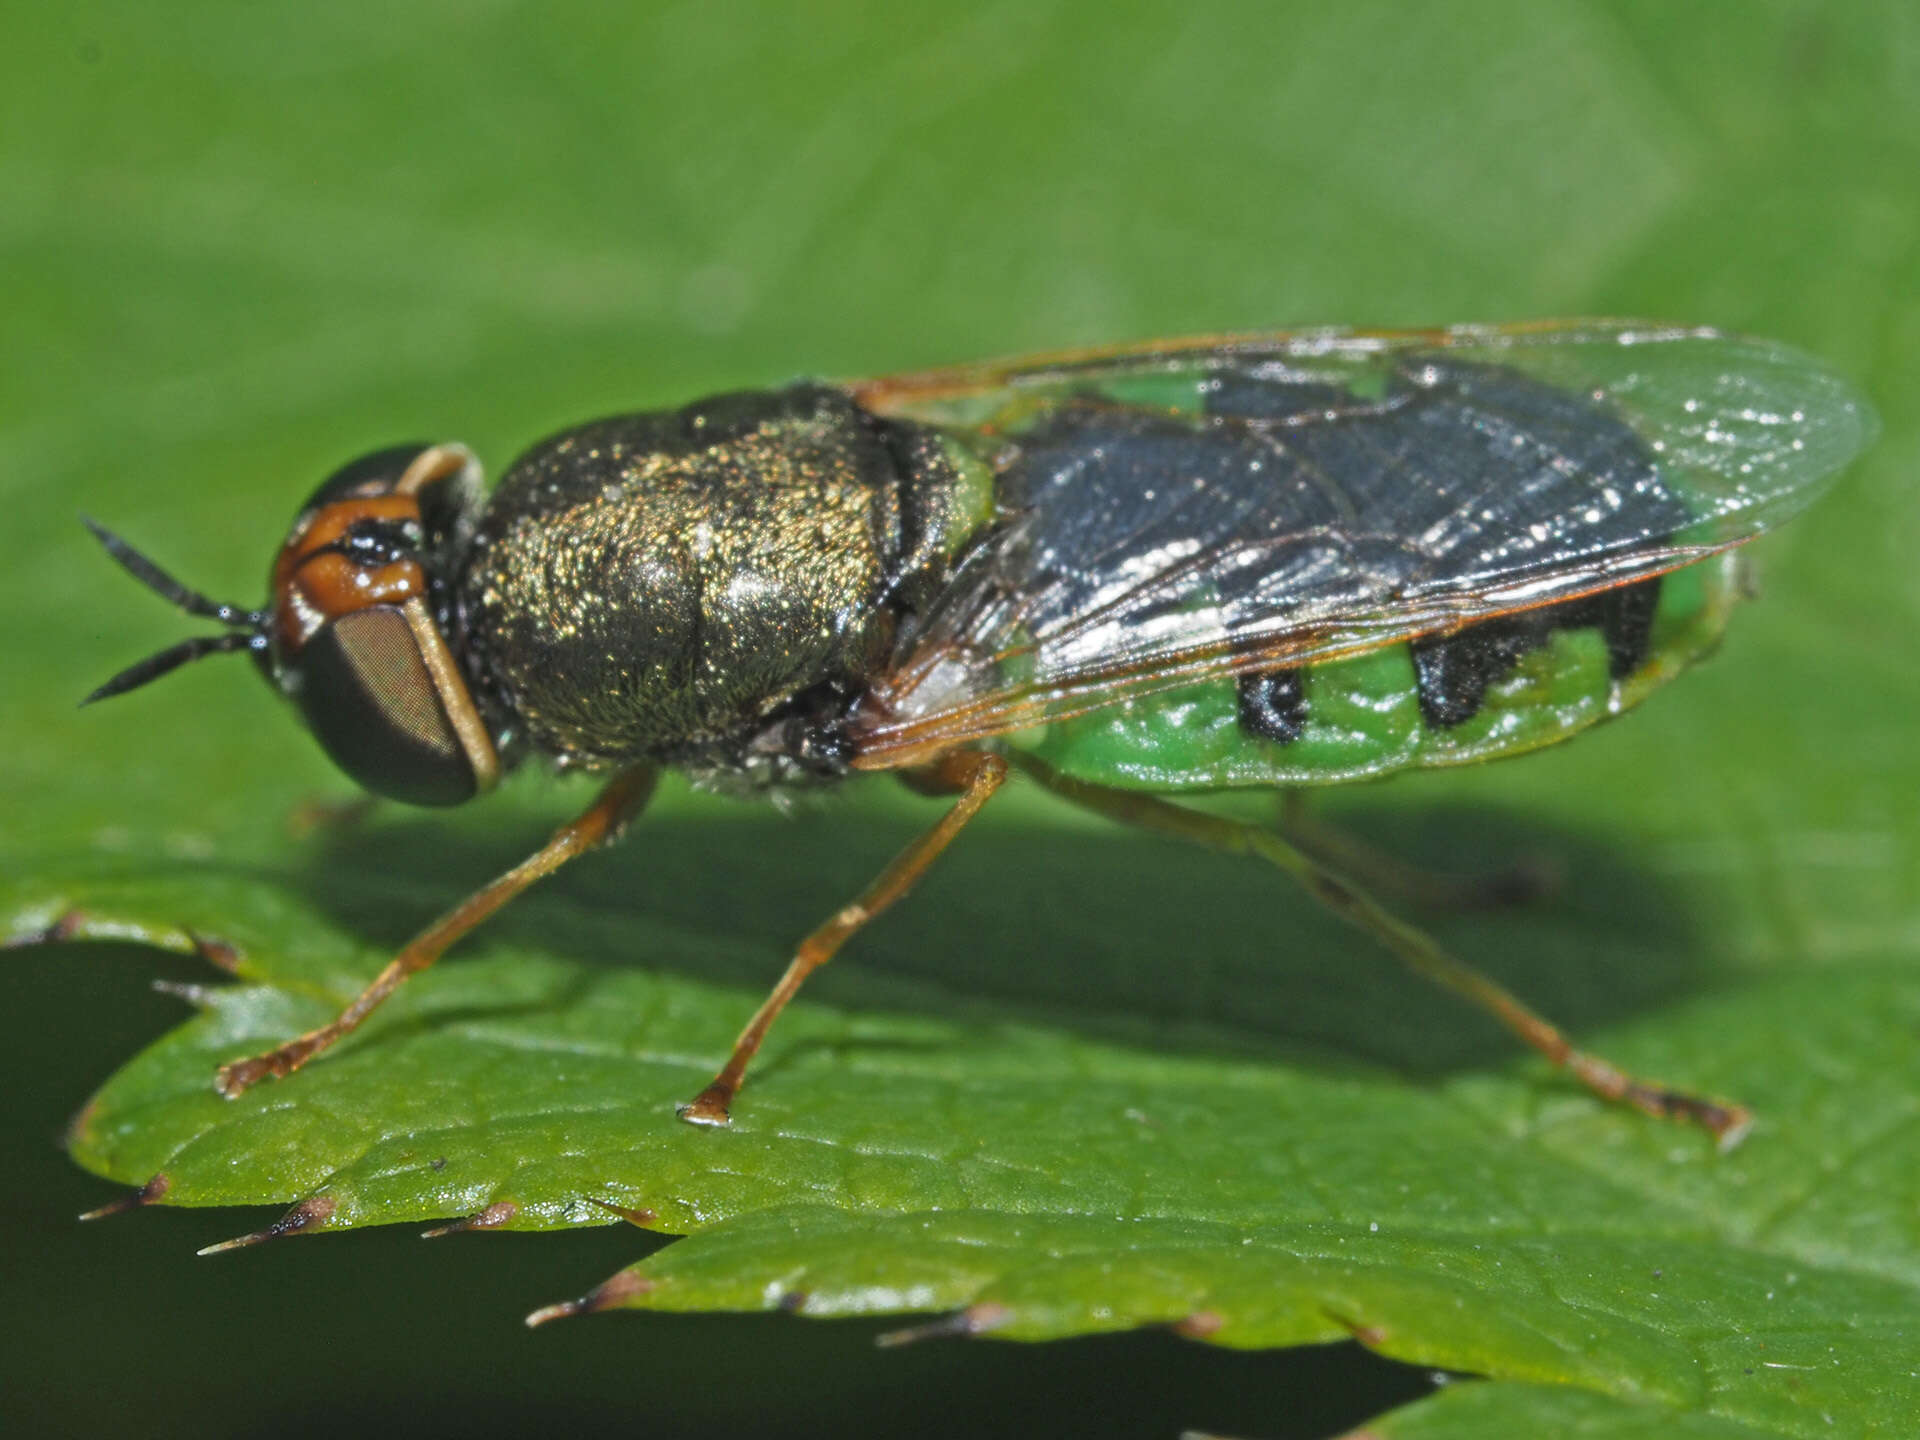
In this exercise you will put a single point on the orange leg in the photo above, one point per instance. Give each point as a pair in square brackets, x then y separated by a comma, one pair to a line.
[623, 798]
[976, 776]
[1414, 947]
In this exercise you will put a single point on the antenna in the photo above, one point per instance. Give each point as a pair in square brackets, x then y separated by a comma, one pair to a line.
[247, 628]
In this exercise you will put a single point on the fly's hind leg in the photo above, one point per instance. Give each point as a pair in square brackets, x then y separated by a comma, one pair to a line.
[1525, 880]
[1416, 949]
[975, 775]
[623, 798]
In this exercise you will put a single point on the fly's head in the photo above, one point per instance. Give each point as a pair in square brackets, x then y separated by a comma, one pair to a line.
[355, 629]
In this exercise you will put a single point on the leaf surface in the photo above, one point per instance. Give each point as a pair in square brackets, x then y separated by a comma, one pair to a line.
[1081, 1081]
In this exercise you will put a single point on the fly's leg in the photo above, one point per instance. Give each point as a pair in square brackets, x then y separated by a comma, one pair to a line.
[1419, 951]
[623, 798]
[316, 815]
[1517, 884]
[976, 776]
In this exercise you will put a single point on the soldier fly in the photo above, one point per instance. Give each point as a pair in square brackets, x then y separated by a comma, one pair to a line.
[1272, 560]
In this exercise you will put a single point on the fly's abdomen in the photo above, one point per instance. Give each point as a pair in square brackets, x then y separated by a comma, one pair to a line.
[1439, 547]
[1498, 688]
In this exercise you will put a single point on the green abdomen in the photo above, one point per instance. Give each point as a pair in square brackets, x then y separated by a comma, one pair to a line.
[1375, 713]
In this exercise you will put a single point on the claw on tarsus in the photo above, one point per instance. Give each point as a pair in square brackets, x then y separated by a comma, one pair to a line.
[711, 1107]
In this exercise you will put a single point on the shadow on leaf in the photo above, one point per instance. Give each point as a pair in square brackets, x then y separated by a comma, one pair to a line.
[1112, 934]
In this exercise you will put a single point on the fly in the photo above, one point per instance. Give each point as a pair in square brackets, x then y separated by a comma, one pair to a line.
[1263, 561]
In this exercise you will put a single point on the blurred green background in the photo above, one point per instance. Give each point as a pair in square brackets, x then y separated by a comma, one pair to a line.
[246, 241]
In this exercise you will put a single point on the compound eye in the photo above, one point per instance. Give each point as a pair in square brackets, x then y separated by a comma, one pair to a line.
[375, 474]
[371, 698]
[443, 480]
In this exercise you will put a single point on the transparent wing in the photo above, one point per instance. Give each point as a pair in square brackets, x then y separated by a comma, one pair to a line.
[1209, 506]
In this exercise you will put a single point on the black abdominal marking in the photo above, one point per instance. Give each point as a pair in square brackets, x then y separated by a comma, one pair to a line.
[1273, 704]
[1626, 623]
[1453, 671]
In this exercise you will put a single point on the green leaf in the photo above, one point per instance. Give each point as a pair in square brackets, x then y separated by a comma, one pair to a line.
[1471, 1411]
[1080, 1081]
[1061, 1172]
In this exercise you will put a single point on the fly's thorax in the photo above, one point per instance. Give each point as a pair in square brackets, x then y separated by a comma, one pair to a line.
[710, 586]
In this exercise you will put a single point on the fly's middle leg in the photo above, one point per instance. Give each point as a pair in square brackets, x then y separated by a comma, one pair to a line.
[975, 775]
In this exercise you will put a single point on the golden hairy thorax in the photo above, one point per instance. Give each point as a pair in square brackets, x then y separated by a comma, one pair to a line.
[657, 585]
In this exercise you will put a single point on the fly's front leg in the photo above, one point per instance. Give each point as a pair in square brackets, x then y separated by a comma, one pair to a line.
[1417, 949]
[1523, 881]
[625, 796]
[976, 775]
[315, 815]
